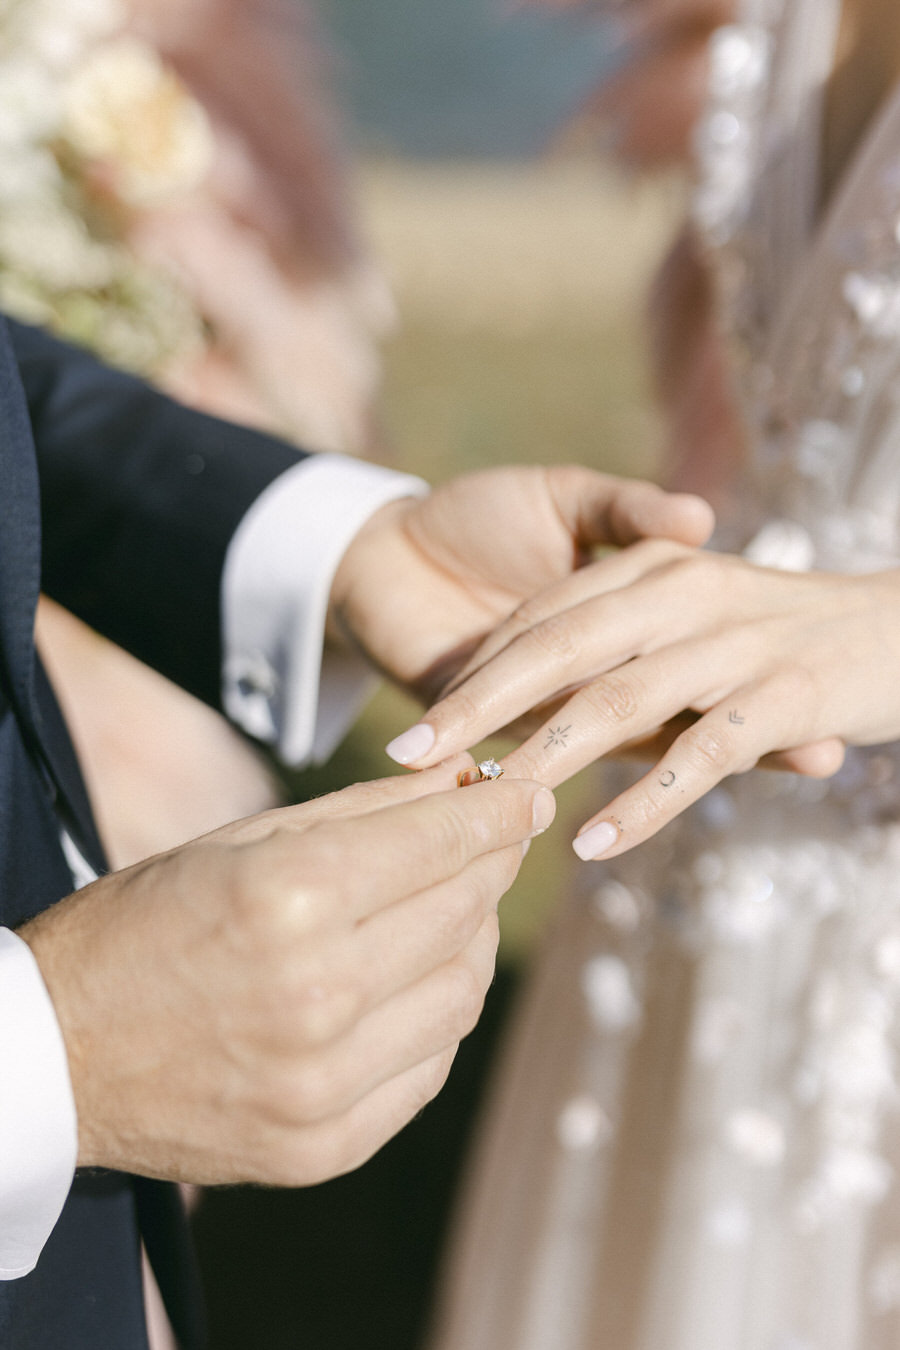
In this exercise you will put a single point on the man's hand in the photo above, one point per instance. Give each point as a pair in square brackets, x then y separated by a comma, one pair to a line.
[272, 1002]
[425, 581]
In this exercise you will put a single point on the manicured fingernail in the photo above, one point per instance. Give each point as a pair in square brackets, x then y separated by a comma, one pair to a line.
[543, 809]
[413, 744]
[597, 840]
[526, 845]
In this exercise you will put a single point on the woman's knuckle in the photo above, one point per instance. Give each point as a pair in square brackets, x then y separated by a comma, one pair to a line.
[613, 700]
[710, 747]
[526, 614]
[556, 637]
[696, 573]
[798, 684]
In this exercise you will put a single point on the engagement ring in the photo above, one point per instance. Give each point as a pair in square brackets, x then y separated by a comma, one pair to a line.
[485, 772]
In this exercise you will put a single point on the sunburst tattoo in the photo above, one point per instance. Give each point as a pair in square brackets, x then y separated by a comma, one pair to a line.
[557, 736]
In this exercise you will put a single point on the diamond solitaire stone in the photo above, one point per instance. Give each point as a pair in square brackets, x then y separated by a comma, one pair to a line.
[489, 768]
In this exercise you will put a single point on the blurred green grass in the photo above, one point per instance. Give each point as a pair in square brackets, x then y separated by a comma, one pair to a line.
[520, 294]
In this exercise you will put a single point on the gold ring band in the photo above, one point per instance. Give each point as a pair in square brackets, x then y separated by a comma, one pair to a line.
[485, 772]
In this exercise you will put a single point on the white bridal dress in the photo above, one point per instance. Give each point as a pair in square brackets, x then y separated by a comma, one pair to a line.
[694, 1141]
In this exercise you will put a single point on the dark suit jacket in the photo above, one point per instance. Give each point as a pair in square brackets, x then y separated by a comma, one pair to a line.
[120, 504]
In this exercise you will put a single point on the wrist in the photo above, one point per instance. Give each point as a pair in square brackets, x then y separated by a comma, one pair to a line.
[350, 601]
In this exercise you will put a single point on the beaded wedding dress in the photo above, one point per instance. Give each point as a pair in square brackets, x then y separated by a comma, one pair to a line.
[694, 1142]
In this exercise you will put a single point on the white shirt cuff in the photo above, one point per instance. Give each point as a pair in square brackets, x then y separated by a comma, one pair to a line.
[276, 585]
[38, 1130]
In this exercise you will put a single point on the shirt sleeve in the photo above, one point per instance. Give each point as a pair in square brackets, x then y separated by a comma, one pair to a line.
[38, 1131]
[278, 572]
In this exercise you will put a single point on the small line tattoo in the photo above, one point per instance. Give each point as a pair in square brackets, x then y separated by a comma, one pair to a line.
[557, 736]
[666, 779]
[735, 718]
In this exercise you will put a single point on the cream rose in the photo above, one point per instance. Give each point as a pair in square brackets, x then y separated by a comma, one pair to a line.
[126, 111]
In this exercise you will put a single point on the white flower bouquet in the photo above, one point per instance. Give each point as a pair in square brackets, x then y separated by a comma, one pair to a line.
[94, 128]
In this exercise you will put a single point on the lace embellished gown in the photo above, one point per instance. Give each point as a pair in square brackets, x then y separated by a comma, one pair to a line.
[694, 1142]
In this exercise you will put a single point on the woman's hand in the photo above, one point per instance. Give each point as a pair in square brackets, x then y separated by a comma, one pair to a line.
[424, 582]
[761, 661]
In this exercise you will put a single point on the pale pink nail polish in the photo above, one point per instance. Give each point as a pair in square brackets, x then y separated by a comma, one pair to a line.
[412, 744]
[597, 840]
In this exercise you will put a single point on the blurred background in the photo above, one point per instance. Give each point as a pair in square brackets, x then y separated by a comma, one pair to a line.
[519, 261]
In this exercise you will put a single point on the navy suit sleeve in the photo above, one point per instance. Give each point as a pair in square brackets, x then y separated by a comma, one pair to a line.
[139, 499]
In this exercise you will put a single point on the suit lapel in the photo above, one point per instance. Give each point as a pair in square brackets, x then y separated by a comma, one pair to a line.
[20, 537]
[22, 680]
